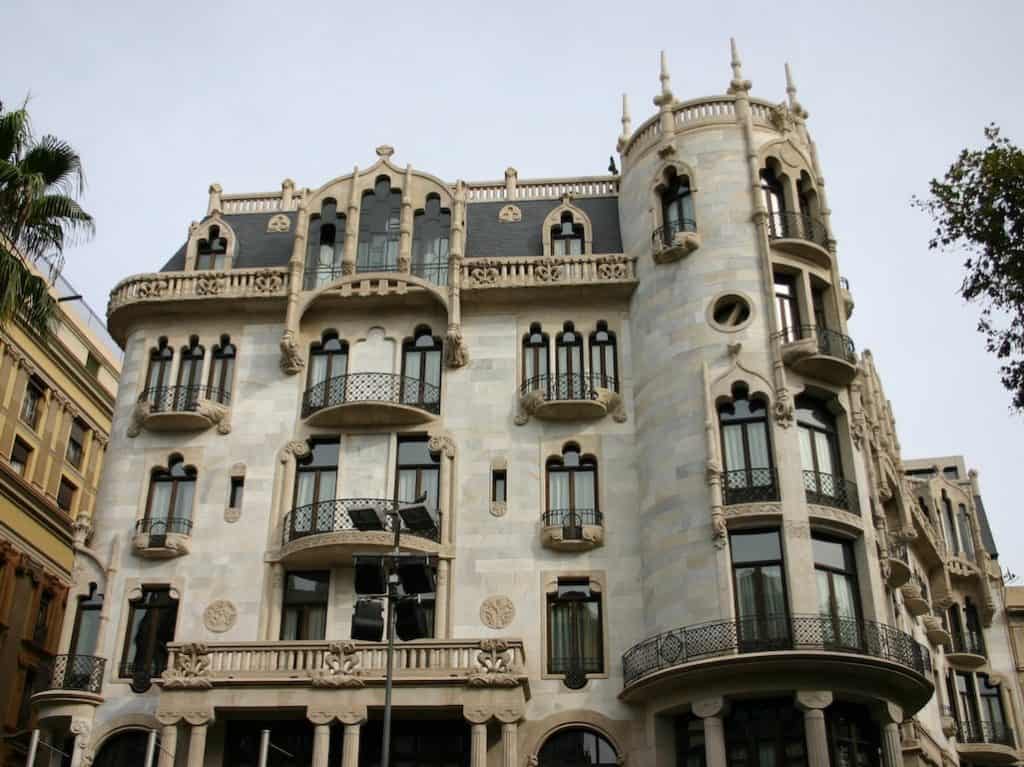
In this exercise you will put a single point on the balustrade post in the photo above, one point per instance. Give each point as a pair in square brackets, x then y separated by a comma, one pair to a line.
[711, 711]
[813, 704]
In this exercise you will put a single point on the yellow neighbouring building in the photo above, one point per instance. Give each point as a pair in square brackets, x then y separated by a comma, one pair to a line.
[56, 402]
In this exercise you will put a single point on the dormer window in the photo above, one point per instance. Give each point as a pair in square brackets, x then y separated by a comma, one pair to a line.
[567, 237]
[379, 228]
[212, 250]
[326, 245]
[431, 229]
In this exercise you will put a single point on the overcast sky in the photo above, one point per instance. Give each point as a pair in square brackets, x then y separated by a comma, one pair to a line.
[163, 99]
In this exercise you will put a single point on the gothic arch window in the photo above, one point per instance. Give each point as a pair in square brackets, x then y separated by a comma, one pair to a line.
[380, 219]
[535, 359]
[567, 237]
[328, 360]
[158, 376]
[966, 535]
[810, 211]
[604, 363]
[746, 449]
[569, 378]
[212, 250]
[172, 491]
[949, 525]
[431, 229]
[577, 747]
[421, 369]
[774, 196]
[222, 370]
[572, 490]
[820, 457]
[677, 214]
[325, 245]
[190, 371]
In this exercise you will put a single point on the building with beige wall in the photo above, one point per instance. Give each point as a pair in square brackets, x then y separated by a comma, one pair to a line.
[668, 508]
[1015, 620]
[56, 404]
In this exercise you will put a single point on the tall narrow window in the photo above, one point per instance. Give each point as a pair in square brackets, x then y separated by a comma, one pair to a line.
[87, 623]
[66, 495]
[419, 472]
[604, 363]
[975, 637]
[819, 454]
[379, 228]
[499, 485]
[838, 602]
[158, 377]
[190, 371]
[169, 504]
[749, 475]
[676, 206]
[774, 202]
[212, 250]
[992, 713]
[236, 493]
[572, 492]
[326, 241]
[21, 454]
[431, 229]
[853, 736]
[949, 525]
[151, 622]
[421, 370]
[304, 615]
[569, 382]
[32, 404]
[222, 370]
[75, 451]
[575, 641]
[760, 589]
[328, 364]
[567, 237]
[535, 359]
[42, 626]
[967, 701]
[966, 536]
[787, 309]
[767, 733]
[316, 485]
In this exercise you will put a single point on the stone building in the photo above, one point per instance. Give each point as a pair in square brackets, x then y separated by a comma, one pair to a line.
[56, 404]
[654, 491]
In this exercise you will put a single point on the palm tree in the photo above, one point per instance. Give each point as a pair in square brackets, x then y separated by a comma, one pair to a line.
[38, 217]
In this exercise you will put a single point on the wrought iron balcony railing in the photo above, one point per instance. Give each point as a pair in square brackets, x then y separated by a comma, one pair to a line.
[572, 521]
[749, 486]
[664, 236]
[999, 733]
[83, 673]
[335, 516]
[372, 387]
[830, 342]
[829, 490]
[568, 386]
[797, 226]
[159, 527]
[774, 634]
[968, 642]
[177, 399]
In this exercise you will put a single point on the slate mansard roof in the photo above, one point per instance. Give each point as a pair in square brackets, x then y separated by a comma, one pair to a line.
[485, 234]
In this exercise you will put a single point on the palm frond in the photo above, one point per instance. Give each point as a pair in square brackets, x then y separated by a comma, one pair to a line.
[56, 161]
[24, 295]
[15, 133]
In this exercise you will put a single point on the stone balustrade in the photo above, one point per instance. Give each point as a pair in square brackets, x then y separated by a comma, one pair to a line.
[481, 273]
[542, 189]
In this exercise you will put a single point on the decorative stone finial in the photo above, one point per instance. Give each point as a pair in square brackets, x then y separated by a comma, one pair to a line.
[737, 85]
[511, 180]
[385, 151]
[627, 122]
[215, 193]
[795, 107]
[664, 99]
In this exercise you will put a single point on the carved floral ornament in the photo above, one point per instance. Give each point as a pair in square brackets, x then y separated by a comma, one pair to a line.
[191, 669]
[510, 214]
[341, 669]
[495, 665]
[279, 223]
[220, 616]
[497, 612]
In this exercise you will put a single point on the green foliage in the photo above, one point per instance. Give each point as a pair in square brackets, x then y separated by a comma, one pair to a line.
[39, 216]
[978, 208]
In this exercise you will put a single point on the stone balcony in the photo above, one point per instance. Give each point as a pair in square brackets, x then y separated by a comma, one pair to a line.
[371, 399]
[989, 743]
[968, 651]
[596, 276]
[570, 397]
[801, 235]
[181, 409]
[674, 241]
[70, 685]
[819, 353]
[162, 538]
[898, 559]
[572, 529]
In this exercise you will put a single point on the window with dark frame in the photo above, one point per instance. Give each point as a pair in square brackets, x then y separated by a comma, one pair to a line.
[237, 490]
[418, 472]
[572, 499]
[222, 370]
[66, 494]
[604, 363]
[765, 732]
[567, 237]
[211, 251]
[304, 612]
[570, 382]
[499, 491]
[787, 308]
[151, 623]
[380, 218]
[819, 452]
[577, 747]
[535, 359]
[838, 595]
[966, 534]
[32, 403]
[992, 711]
[746, 450]
[949, 525]
[76, 444]
[676, 206]
[169, 502]
[575, 630]
[28, 685]
[21, 454]
[87, 623]
[190, 371]
[759, 584]
[41, 629]
[328, 360]
[158, 375]
[430, 232]
[853, 736]
[316, 485]
[775, 202]
[326, 245]
[421, 368]
[92, 364]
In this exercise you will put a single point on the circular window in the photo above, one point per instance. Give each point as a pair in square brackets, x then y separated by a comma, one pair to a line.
[730, 312]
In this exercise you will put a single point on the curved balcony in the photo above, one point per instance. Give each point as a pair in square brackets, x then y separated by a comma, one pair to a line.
[674, 240]
[371, 399]
[800, 234]
[569, 397]
[181, 408]
[968, 650]
[915, 595]
[322, 532]
[936, 631]
[986, 743]
[572, 529]
[829, 490]
[749, 486]
[67, 684]
[741, 655]
[898, 558]
[162, 538]
[819, 353]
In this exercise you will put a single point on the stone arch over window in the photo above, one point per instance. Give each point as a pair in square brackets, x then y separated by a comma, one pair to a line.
[127, 746]
[577, 745]
[325, 245]
[673, 191]
[421, 367]
[570, 376]
[212, 245]
[825, 450]
[787, 184]
[380, 223]
[572, 488]
[170, 498]
[568, 231]
[158, 375]
[604, 357]
[745, 441]
[222, 370]
[431, 230]
[536, 362]
[328, 360]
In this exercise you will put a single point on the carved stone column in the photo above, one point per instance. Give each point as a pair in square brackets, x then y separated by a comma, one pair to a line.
[348, 258]
[892, 745]
[405, 225]
[350, 748]
[478, 745]
[813, 704]
[197, 745]
[80, 728]
[711, 711]
[168, 744]
[321, 744]
[510, 744]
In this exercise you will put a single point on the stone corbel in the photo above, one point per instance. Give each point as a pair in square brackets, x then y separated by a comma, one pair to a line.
[528, 404]
[783, 409]
[193, 716]
[140, 413]
[442, 442]
[456, 353]
[682, 245]
[191, 670]
[217, 413]
[291, 357]
[297, 447]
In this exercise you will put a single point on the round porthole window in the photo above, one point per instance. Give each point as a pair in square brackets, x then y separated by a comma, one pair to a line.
[730, 312]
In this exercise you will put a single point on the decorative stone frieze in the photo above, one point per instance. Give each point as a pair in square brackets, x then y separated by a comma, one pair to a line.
[495, 665]
[341, 667]
[497, 612]
[190, 669]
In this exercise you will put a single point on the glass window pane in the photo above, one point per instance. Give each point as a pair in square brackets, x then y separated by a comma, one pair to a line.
[806, 449]
[732, 438]
[755, 547]
[830, 553]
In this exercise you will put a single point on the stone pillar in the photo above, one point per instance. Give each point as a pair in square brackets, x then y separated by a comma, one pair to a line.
[321, 744]
[478, 745]
[350, 749]
[711, 711]
[813, 704]
[892, 745]
[197, 745]
[80, 728]
[348, 258]
[168, 744]
[509, 744]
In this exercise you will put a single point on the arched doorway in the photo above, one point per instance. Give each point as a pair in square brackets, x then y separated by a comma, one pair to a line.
[577, 747]
[124, 748]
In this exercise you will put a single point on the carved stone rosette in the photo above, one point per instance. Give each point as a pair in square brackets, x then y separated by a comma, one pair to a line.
[497, 612]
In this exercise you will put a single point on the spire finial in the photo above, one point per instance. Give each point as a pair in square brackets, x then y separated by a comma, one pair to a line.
[790, 86]
[627, 122]
[664, 99]
[737, 85]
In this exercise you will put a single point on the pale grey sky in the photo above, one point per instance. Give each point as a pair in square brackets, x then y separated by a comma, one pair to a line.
[162, 99]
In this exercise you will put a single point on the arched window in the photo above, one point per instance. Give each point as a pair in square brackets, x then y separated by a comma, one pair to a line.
[222, 370]
[211, 251]
[604, 363]
[380, 220]
[158, 377]
[567, 237]
[676, 206]
[421, 369]
[431, 229]
[966, 536]
[328, 360]
[577, 747]
[774, 201]
[807, 198]
[128, 747]
[819, 454]
[949, 525]
[190, 371]
[169, 503]
[569, 381]
[746, 450]
[572, 490]
[535, 359]
[325, 245]
[316, 485]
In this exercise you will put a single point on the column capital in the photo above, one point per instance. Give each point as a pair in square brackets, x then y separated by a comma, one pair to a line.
[477, 714]
[809, 700]
[350, 715]
[708, 707]
[889, 713]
